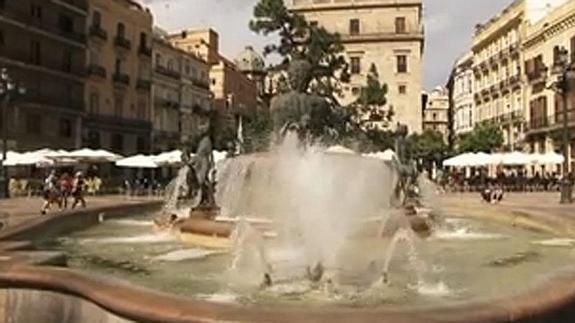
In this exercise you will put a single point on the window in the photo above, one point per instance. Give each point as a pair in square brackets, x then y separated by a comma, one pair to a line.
[141, 145]
[143, 40]
[67, 60]
[402, 89]
[354, 26]
[34, 124]
[400, 27]
[313, 23]
[97, 19]
[355, 90]
[121, 30]
[2, 40]
[118, 106]
[117, 142]
[158, 60]
[573, 50]
[36, 11]
[118, 67]
[66, 23]
[401, 64]
[35, 52]
[65, 128]
[94, 103]
[355, 65]
[434, 116]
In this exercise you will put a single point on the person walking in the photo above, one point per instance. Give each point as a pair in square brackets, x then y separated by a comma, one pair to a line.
[50, 192]
[78, 190]
[65, 185]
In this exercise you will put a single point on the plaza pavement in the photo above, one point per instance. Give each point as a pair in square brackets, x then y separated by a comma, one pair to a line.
[17, 210]
[538, 210]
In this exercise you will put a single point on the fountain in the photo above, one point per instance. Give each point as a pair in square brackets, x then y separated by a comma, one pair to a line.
[299, 233]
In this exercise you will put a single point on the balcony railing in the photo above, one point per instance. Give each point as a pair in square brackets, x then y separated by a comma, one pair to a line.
[121, 41]
[144, 84]
[97, 70]
[98, 32]
[145, 50]
[168, 103]
[167, 72]
[201, 84]
[24, 18]
[552, 122]
[121, 79]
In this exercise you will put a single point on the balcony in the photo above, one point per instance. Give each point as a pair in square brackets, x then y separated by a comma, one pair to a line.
[166, 102]
[97, 70]
[81, 6]
[167, 72]
[551, 123]
[201, 84]
[144, 85]
[382, 36]
[493, 61]
[514, 81]
[121, 79]
[494, 89]
[477, 97]
[145, 50]
[484, 66]
[98, 33]
[485, 92]
[122, 42]
[513, 50]
[23, 19]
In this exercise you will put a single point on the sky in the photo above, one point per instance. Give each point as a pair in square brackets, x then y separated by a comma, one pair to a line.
[449, 25]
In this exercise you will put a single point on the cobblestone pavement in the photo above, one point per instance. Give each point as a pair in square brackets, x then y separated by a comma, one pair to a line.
[17, 210]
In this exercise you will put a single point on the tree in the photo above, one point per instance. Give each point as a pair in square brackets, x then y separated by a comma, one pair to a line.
[301, 40]
[258, 133]
[428, 147]
[483, 138]
[372, 98]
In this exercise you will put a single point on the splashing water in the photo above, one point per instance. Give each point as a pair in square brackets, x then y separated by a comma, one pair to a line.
[317, 202]
[407, 236]
[176, 189]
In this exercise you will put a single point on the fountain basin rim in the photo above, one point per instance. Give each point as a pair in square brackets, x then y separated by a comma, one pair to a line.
[146, 305]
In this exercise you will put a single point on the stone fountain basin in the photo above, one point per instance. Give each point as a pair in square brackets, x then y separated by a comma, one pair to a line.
[67, 295]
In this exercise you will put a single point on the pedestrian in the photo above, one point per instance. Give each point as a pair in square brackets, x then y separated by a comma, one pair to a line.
[50, 192]
[78, 190]
[65, 185]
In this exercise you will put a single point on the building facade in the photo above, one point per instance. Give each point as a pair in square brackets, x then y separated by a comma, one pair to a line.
[387, 34]
[43, 48]
[436, 114]
[545, 106]
[181, 95]
[234, 94]
[462, 102]
[497, 61]
[118, 90]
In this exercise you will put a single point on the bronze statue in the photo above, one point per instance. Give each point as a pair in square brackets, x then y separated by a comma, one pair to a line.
[298, 111]
[201, 165]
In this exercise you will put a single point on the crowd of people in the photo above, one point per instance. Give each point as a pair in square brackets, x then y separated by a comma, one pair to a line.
[57, 191]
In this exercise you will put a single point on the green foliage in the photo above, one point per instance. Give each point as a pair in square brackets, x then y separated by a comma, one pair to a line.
[483, 138]
[300, 40]
[374, 93]
[258, 133]
[427, 147]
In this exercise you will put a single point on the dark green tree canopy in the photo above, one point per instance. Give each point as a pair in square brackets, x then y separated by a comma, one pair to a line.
[301, 40]
[483, 138]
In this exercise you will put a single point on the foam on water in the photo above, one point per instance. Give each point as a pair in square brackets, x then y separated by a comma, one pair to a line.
[145, 238]
[222, 298]
[439, 289]
[557, 242]
[186, 254]
[465, 234]
[131, 222]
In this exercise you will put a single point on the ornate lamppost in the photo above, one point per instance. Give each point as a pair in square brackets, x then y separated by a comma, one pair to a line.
[565, 72]
[8, 90]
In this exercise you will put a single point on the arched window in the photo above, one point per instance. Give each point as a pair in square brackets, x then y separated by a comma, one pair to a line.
[121, 30]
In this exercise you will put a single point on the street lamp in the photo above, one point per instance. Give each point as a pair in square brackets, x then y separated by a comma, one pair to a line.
[564, 70]
[8, 90]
